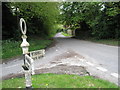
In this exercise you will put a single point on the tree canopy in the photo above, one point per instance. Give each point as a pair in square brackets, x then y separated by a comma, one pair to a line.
[102, 18]
[97, 19]
[40, 17]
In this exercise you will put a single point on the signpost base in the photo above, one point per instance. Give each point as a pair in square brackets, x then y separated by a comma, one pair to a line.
[29, 88]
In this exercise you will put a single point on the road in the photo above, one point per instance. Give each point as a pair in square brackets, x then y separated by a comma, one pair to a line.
[101, 60]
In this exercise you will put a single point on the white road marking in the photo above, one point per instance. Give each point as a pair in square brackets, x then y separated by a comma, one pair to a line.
[56, 50]
[75, 56]
[114, 74]
[102, 69]
[90, 64]
[12, 66]
[81, 59]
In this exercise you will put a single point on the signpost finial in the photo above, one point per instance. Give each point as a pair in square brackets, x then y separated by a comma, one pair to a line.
[21, 26]
[24, 44]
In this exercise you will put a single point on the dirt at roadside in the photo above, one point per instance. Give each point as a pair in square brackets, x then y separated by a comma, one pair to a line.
[59, 69]
[64, 69]
[56, 66]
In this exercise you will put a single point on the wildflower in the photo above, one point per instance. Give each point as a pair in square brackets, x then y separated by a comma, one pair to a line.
[19, 87]
[46, 84]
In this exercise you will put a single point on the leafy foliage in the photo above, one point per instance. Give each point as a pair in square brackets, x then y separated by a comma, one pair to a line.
[39, 16]
[8, 22]
[11, 48]
[101, 18]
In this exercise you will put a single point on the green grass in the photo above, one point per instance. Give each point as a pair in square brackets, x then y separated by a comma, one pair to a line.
[0, 85]
[59, 81]
[65, 34]
[12, 49]
[112, 42]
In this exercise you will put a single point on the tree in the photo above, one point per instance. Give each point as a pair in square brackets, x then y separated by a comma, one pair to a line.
[39, 16]
[101, 18]
[8, 22]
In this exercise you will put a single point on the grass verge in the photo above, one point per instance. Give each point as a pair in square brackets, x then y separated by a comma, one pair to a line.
[12, 48]
[59, 81]
[112, 42]
[65, 34]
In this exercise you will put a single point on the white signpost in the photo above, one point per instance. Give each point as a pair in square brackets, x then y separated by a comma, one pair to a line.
[29, 57]
[28, 61]
[37, 54]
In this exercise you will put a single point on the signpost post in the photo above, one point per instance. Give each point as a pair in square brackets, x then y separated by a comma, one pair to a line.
[29, 57]
[28, 61]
